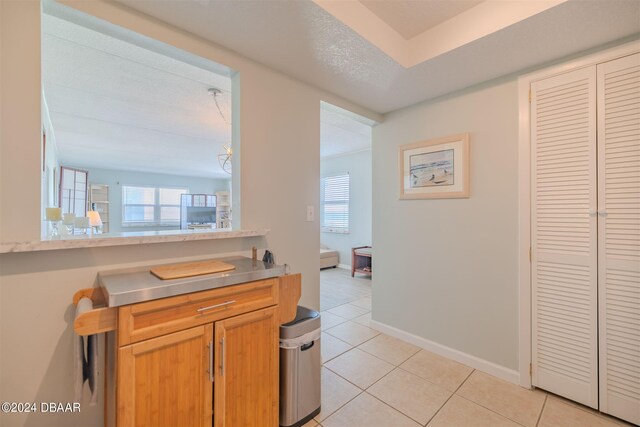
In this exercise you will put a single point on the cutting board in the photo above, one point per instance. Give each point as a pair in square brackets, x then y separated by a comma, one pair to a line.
[189, 269]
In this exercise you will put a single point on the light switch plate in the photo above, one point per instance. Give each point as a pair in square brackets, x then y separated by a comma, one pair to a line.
[311, 214]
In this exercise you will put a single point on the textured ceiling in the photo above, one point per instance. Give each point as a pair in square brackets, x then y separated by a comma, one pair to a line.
[341, 132]
[115, 105]
[301, 39]
[412, 17]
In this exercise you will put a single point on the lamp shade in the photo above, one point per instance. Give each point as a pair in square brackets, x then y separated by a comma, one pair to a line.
[53, 214]
[68, 218]
[94, 218]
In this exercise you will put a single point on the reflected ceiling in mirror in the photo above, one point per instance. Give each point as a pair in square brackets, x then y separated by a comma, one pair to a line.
[116, 105]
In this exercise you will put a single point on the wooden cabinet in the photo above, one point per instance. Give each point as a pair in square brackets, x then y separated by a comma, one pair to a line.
[246, 374]
[202, 359]
[165, 381]
[153, 318]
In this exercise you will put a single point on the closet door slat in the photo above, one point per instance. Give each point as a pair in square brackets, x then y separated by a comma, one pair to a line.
[619, 237]
[564, 261]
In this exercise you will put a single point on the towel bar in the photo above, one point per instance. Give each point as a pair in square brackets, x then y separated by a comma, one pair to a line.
[98, 320]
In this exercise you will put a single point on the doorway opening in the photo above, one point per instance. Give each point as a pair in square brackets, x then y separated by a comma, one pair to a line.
[345, 223]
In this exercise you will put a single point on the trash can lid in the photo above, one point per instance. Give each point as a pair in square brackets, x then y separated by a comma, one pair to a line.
[306, 321]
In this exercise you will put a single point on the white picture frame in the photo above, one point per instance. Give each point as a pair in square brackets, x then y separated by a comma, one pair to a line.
[435, 169]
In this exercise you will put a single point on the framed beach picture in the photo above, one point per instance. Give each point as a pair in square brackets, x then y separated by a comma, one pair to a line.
[435, 169]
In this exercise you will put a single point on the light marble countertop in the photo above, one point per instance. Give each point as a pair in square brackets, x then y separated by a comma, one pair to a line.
[127, 238]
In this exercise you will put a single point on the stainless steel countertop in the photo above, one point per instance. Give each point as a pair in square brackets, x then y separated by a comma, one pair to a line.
[130, 286]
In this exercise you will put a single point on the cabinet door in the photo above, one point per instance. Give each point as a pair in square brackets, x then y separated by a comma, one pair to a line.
[165, 381]
[619, 236]
[564, 236]
[246, 374]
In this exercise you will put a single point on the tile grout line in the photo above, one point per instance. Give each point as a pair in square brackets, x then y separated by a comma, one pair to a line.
[339, 339]
[348, 318]
[337, 355]
[395, 409]
[546, 396]
[343, 405]
[377, 357]
[372, 355]
[380, 379]
[425, 379]
[356, 345]
[389, 405]
[590, 411]
[352, 383]
[447, 401]
[344, 318]
[493, 410]
[360, 388]
[341, 317]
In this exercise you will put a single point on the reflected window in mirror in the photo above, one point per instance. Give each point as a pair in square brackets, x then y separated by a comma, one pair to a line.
[73, 191]
[151, 206]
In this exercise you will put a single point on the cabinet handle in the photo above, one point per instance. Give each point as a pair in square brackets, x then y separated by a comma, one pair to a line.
[211, 361]
[222, 358]
[201, 309]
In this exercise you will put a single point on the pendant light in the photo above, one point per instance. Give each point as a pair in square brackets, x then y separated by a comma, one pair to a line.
[224, 157]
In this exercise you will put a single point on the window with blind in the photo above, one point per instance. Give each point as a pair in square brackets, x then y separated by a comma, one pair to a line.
[334, 204]
[151, 206]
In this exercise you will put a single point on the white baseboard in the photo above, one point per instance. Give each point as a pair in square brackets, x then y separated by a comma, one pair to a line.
[344, 266]
[475, 362]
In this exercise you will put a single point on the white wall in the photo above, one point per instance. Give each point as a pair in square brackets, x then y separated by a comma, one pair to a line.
[446, 270]
[358, 166]
[20, 132]
[115, 179]
[280, 152]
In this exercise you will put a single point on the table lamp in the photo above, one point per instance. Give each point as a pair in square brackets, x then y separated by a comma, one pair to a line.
[94, 221]
[68, 219]
[53, 215]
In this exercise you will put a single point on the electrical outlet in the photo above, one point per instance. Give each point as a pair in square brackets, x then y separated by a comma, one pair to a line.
[310, 214]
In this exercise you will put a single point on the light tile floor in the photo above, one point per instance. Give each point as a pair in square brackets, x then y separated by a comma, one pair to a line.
[370, 379]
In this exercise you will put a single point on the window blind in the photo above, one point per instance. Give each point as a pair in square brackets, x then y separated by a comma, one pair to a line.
[334, 197]
[142, 206]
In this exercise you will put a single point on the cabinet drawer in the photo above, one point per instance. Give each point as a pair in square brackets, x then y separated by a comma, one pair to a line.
[146, 320]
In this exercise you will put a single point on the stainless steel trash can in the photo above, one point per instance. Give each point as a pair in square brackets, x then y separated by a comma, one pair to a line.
[300, 368]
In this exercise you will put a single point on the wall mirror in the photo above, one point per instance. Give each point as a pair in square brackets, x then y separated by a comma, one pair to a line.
[136, 134]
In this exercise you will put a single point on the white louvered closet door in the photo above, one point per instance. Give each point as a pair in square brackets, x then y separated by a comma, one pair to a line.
[619, 236]
[564, 236]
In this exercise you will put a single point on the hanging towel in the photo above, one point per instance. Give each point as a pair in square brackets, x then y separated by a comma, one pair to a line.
[85, 361]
